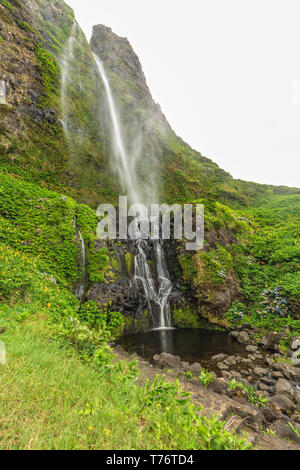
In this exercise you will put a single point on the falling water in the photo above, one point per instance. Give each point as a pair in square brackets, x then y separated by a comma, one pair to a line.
[126, 172]
[156, 296]
[79, 292]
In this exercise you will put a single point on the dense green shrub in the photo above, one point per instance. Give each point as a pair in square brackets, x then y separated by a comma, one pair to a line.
[185, 318]
[48, 68]
[7, 5]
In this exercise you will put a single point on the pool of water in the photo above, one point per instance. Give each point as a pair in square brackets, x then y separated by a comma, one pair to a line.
[191, 345]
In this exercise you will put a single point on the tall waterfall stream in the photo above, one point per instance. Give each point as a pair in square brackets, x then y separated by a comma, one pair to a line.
[157, 295]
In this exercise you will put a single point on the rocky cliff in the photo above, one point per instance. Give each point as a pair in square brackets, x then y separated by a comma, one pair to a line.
[61, 141]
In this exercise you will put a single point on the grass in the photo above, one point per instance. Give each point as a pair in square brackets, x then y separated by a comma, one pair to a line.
[50, 400]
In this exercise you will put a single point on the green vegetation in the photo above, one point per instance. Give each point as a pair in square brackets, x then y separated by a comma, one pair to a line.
[67, 404]
[272, 255]
[7, 4]
[269, 267]
[26, 26]
[205, 377]
[186, 317]
[41, 222]
[253, 397]
[261, 255]
[74, 395]
[48, 67]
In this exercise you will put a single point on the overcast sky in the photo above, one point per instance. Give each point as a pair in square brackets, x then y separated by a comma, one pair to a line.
[226, 74]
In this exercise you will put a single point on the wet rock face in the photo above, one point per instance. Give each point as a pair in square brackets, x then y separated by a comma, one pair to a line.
[119, 290]
[126, 294]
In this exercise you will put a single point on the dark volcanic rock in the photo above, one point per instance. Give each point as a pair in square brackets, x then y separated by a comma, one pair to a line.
[167, 361]
[284, 431]
[284, 404]
[283, 387]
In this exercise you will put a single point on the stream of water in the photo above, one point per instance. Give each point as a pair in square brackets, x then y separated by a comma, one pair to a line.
[156, 293]
[79, 292]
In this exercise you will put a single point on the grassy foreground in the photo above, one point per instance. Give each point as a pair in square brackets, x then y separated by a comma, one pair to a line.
[50, 399]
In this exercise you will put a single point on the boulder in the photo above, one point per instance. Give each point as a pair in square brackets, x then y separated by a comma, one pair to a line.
[260, 371]
[195, 368]
[234, 334]
[283, 403]
[251, 415]
[243, 337]
[270, 341]
[295, 343]
[222, 366]
[263, 341]
[251, 348]
[270, 414]
[236, 374]
[297, 397]
[283, 387]
[219, 357]
[264, 387]
[269, 361]
[268, 381]
[218, 387]
[230, 361]
[227, 375]
[276, 374]
[290, 372]
[167, 361]
[283, 430]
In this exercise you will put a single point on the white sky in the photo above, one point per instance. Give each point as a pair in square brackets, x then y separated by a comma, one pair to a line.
[226, 74]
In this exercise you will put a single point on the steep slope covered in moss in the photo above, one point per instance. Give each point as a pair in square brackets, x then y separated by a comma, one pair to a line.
[34, 36]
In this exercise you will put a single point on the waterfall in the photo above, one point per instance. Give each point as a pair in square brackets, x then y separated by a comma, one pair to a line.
[79, 292]
[157, 296]
[127, 174]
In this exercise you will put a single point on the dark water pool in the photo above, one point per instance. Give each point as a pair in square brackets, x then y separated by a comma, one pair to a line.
[191, 345]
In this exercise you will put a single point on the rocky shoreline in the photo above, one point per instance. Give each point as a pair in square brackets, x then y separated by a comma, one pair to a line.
[263, 368]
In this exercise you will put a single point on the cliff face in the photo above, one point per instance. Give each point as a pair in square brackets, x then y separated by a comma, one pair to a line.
[34, 37]
[28, 73]
[124, 65]
[49, 84]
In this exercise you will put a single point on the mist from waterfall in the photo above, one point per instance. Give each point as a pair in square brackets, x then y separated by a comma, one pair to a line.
[157, 295]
